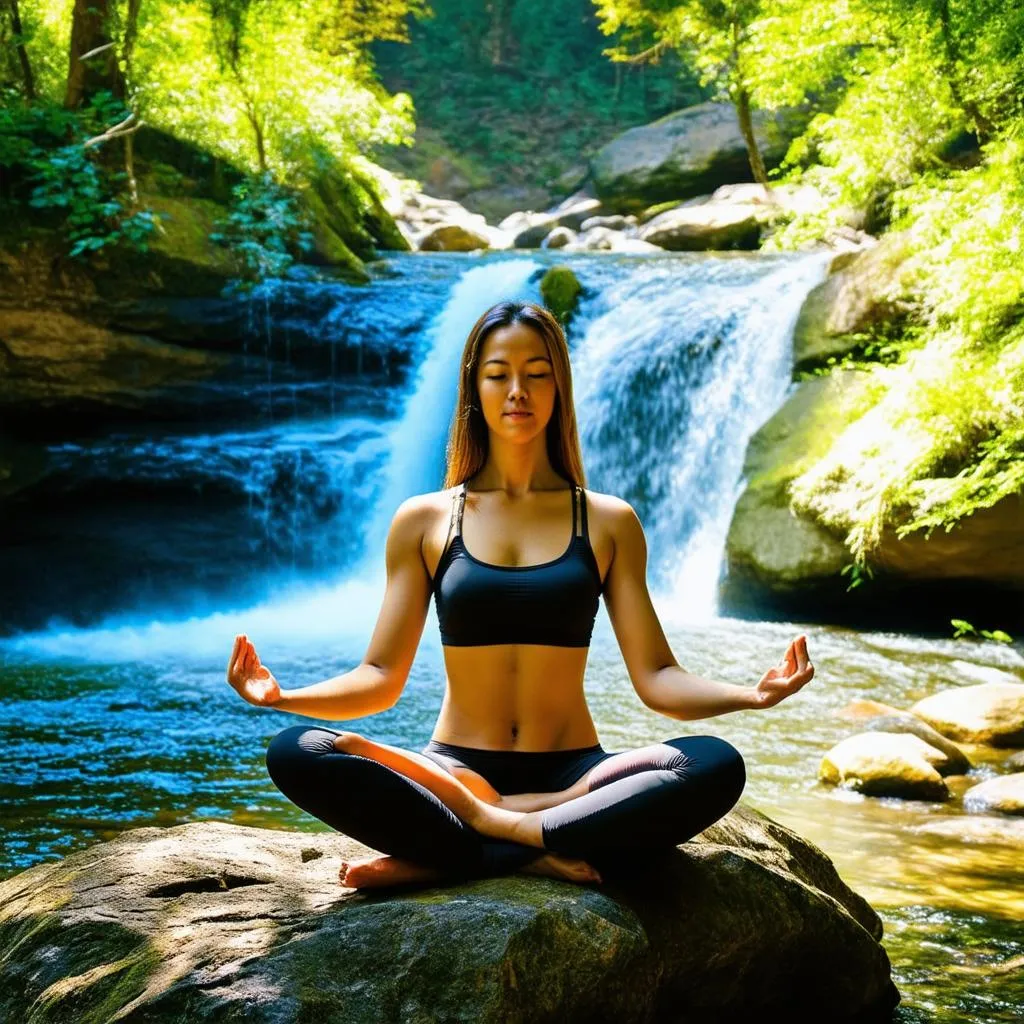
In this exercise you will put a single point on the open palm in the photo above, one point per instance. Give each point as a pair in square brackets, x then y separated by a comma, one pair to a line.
[792, 672]
[251, 679]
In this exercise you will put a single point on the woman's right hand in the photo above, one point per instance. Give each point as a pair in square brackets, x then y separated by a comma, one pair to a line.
[251, 679]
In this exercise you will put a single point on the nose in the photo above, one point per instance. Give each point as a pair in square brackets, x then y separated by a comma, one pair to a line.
[517, 388]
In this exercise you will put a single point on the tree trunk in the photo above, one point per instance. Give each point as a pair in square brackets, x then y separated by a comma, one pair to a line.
[99, 70]
[983, 127]
[500, 11]
[742, 103]
[741, 100]
[26, 67]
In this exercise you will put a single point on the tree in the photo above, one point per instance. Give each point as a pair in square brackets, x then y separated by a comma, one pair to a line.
[713, 34]
[92, 60]
[19, 45]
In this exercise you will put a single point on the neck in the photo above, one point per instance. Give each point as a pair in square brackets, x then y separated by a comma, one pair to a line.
[517, 469]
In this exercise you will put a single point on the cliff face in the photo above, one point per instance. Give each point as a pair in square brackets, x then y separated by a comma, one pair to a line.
[786, 554]
[121, 333]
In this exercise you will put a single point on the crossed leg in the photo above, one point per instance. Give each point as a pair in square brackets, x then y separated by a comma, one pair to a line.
[466, 793]
[639, 800]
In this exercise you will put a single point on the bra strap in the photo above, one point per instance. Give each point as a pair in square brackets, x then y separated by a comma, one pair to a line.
[585, 531]
[460, 509]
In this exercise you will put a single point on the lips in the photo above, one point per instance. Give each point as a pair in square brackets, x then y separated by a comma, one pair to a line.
[519, 415]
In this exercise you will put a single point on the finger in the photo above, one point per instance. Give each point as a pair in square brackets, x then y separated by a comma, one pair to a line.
[236, 665]
[234, 652]
[800, 651]
[247, 659]
[789, 661]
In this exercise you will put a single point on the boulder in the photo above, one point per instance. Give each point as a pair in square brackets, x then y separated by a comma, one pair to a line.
[686, 153]
[559, 238]
[886, 764]
[872, 288]
[991, 713]
[452, 238]
[956, 762]
[215, 922]
[1015, 762]
[1004, 794]
[773, 554]
[985, 547]
[705, 226]
[498, 201]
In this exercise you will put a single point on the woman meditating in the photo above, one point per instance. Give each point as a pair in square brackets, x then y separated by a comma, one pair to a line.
[516, 554]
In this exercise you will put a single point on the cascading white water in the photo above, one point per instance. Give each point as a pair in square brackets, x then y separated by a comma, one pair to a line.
[419, 436]
[676, 368]
[676, 361]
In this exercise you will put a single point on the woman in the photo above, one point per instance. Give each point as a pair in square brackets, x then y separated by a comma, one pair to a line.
[514, 776]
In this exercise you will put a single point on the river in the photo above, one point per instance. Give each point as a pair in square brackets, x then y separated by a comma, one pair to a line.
[269, 520]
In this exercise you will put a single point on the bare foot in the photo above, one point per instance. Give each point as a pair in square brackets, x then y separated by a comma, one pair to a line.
[570, 869]
[377, 872]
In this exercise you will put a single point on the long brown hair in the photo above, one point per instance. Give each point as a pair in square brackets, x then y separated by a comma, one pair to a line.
[468, 440]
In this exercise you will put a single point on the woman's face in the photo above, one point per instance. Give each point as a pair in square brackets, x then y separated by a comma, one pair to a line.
[514, 374]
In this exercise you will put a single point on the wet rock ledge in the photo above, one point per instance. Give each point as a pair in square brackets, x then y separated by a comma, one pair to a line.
[215, 922]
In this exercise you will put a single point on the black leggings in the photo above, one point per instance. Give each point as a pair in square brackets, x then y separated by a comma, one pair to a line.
[639, 801]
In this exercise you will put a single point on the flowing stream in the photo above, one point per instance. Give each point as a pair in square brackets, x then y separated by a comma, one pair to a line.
[116, 711]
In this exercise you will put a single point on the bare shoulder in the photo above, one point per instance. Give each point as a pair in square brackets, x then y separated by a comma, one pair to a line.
[611, 512]
[423, 521]
[614, 528]
[422, 511]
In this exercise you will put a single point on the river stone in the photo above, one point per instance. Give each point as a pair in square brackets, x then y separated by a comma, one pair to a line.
[903, 722]
[560, 289]
[452, 238]
[706, 226]
[217, 922]
[1004, 794]
[991, 713]
[872, 287]
[886, 764]
[686, 153]
[859, 709]
[1015, 762]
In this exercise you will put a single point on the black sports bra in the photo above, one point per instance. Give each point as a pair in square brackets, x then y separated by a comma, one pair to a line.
[553, 603]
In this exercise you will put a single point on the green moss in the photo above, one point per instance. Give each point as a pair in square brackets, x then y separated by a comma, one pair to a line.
[82, 972]
[560, 290]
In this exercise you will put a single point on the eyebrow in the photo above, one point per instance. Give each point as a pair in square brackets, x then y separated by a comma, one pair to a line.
[532, 359]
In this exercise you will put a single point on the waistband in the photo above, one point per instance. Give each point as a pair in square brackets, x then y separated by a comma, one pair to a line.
[537, 755]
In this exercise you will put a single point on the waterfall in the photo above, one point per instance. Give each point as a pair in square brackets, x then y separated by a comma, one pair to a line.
[676, 369]
[417, 440]
[677, 359]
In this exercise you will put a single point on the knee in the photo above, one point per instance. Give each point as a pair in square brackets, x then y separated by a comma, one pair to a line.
[292, 748]
[717, 762]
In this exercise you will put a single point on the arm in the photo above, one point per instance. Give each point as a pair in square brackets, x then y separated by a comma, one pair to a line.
[660, 682]
[377, 682]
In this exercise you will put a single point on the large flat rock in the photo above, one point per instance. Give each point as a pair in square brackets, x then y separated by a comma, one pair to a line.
[217, 922]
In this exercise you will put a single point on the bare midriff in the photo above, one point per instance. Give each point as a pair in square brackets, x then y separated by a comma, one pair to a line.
[526, 697]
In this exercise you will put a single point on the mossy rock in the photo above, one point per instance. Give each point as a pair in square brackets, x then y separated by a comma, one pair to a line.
[560, 289]
[218, 922]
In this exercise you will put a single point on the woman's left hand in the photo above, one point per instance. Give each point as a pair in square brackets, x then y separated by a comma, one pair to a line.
[784, 679]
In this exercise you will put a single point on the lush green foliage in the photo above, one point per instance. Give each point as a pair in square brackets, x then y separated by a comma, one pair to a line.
[264, 229]
[46, 149]
[509, 93]
[264, 85]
